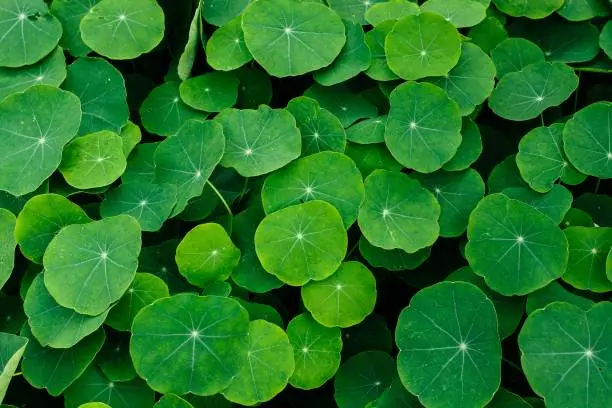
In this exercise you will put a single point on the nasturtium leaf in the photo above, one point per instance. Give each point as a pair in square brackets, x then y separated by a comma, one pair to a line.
[564, 354]
[514, 54]
[36, 124]
[371, 334]
[422, 45]
[363, 378]
[259, 141]
[189, 343]
[395, 396]
[353, 58]
[131, 135]
[94, 386]
[462, 13]
[141, 164]
[114, 358]
[41, 218]
[423, 127]
[220, 12]
[190, 51]
[555, 292]
[471, 81]
[94, 160]
[316, 349]
[89, 267]
[163, 112]
[255, 87]
[210, 92]
[605, 39]
[560, 40]
[588, 249]
[206, 254]
[320, 129]
[302, 242]
[51, 70]
[554, 203]
[390, 11]
[576, 217]
[352, 10]
[327, 176]
[159, 260]
[187, 159]
[580, 10]
[541, 159]
[172, 401]
[488, 33]
[469, 150]
[509, 309]
[8, 242]
[14, 204]
[226, 50]
[339, 100]
[398, 213]
[11, 350]
[450, 351]
[249, 274]
[55, 369]
[288, 38]
[268, 366]
[123, 29]
[371, 157]
[458, 193]
[514, 247]
[150, 204]
[70, 13]
[526, 94]
[394, 259]
[530, 9]
[28, 32]
[375, 39]
[101, 89]
[506, 399]
[144, 290]
[587, 141]
[368, 131]
[53, 325]
[505, 174]
[598, 206]
[344, 299]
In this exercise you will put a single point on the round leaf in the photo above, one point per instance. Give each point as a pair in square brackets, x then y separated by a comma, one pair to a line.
[514, 54]
[529, 9]
[368, 131]
[394, 259]
[7, 245]
[554, 292]
[70, 13]
[220, 12]
[605, 39]
[342, 102]
[379, 69]
[469, 150]
[588, 249]
[226, 50]
[462, 13]
[210, 92]
[390, 10]
[554, 203]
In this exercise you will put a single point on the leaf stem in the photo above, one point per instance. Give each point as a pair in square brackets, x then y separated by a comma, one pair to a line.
[597, 185]
[225, 204]
[17, 373]
[511, 364]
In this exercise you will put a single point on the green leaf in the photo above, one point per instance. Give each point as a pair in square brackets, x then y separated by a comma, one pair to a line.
[422, 45]
[89, 267]
[150, 204]
[163, 112]
[514, 247]
[8, 242]
[53, 325]
[588, 142]
[368, 131]
[33, 134]
[339, 100]
[398, 213]
[210, 92]
[55, 369]
[226, 49]
[564, 354]
[131, 136]
[588, 249]
[375, 39]
[94, 160]
[70, 13]
[462, 13]
[172, 401]
[206, 254]
[302, 242]
[189, 343]
[114, 359]
[11, 350]
[269, 364]
[458, 193]
[159, 260]
[259, 141]
[526, 94]
[449, 346]
[514, 54]
[144, 290]
[579, 10]
[327, 176]
[344, 299]
[288, 38]
[321, 130]
[29, 32]
[605, 39]
[101, 89]
[395, 396]
[140, 164]
[394, 259]
[423, 127]
[371, 334]
[529, 9]
[469, 150]
[555, 203]
[352, 10]
[506, 399]
[363, 378]
[353, 58]
[190, 52]
[41, 218]
[137, 26]
[555, 292]
[51, 70]
[504, 175]
[316, 349]
[390, 10]
[182, 160]
[488, 33]
[220, 12]
[372, 157]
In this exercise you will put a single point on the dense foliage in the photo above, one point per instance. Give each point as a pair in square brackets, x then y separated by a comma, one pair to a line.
[305, 203]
